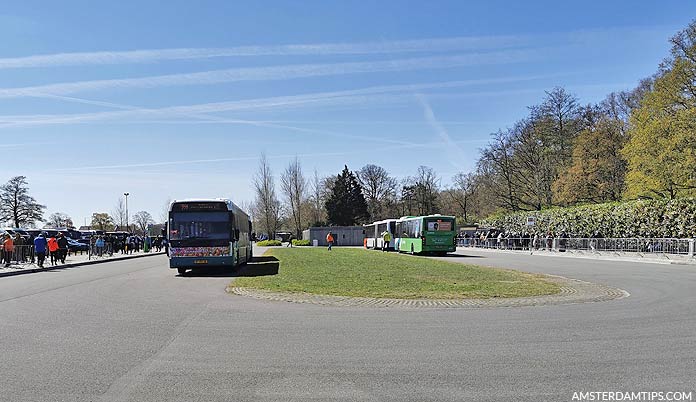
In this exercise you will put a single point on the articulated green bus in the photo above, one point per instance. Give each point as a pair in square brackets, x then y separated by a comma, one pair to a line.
[426, 234]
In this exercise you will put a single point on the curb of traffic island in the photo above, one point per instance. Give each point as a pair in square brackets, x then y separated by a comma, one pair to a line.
[572, 291]
[75, 264]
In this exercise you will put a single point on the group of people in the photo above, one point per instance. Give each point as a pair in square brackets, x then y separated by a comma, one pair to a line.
[499, 239]
[56, 247]
[113, 244]
[17, 248]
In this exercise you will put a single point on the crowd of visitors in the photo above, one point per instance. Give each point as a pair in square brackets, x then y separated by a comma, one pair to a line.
[493, 238]
[57, 246]
[129, 244]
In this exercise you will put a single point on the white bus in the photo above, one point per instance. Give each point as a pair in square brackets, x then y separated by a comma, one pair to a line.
[207, 232]
[373, 233]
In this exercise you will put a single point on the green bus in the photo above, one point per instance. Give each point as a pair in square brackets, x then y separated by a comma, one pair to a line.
[426, 234]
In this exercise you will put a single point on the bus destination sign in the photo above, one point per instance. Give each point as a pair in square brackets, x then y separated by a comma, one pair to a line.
[199, 206]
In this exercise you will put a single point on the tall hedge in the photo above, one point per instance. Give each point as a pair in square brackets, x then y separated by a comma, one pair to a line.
[643, 218]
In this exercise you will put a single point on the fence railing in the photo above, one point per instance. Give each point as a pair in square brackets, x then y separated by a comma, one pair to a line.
[664, 246]
[26, 255]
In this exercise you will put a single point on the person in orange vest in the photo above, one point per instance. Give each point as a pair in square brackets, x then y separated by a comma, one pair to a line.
[53, 250]
[330, 239]
[7, 249]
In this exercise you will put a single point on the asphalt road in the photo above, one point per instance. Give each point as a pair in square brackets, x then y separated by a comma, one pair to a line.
[134, 331]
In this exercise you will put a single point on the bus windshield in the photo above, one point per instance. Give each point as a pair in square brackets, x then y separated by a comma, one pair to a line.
[199, 225]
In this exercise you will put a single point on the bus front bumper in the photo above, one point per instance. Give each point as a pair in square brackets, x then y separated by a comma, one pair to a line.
[193, 262]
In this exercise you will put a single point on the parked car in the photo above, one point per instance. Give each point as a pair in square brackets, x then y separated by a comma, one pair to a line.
[33, 232]
[74, 245]
[14, 231]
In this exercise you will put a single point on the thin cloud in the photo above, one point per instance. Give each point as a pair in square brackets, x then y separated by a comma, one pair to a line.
[404, 145]
[197, 161]
[275, 73]
[429, 45]
[354, 96]
[156, 55]
[451, 146]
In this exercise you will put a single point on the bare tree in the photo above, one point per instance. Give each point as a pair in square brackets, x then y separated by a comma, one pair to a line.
[464, 187]
[560, 110]
[248, 207]
[266, 204]
[294, 186]
[16, 205]
[317, 198]
[118, 215]
[142, 220]
[59, 220]
[379, 189]
[164, 214]
[426, 184]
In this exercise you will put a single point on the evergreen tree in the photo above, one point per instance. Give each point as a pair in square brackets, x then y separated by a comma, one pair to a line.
[346, 204]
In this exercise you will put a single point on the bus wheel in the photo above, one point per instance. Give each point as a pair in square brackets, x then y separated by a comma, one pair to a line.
[181, 271]
[412, 252]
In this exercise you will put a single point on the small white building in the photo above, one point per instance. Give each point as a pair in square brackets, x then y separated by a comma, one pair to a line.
[343, 235]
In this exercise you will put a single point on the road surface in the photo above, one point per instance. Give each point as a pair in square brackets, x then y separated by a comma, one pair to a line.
[135, 331]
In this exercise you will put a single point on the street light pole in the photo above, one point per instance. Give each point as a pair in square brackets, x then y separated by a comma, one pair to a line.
[127, 225]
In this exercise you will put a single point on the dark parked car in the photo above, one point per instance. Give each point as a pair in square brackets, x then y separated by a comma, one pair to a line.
[74, 245]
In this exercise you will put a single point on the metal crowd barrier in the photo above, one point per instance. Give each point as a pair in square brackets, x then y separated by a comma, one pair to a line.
[664, 246]
[23, 255]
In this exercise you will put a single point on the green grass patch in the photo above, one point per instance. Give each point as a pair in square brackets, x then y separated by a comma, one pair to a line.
[296, 242]
[268, 243]
[365, 273]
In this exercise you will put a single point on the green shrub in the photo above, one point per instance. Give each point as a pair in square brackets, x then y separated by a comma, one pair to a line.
[296, 242]
[642, 218]
[268, 243]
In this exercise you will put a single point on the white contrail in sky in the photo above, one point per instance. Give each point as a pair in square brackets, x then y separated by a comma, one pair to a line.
[275, 73]
[155, 55]
[237, 159]
[320, 98]
[450, 145]
[428, 45]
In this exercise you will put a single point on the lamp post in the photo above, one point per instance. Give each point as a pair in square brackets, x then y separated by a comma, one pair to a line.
[127, 225]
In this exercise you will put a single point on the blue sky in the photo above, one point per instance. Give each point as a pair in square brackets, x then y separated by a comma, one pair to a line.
[179, 101]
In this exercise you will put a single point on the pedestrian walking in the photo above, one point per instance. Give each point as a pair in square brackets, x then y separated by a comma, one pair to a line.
[289, 241]
[53, 250]
[40, 247]
[330, 239]
[100, 246]
[386, 239]
[7, 249]
[62, 247]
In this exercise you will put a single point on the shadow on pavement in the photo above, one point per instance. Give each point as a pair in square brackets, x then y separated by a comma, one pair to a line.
[259, 266]
[461, 256]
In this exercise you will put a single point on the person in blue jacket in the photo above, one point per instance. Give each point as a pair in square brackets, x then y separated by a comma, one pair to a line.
[40, 246]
